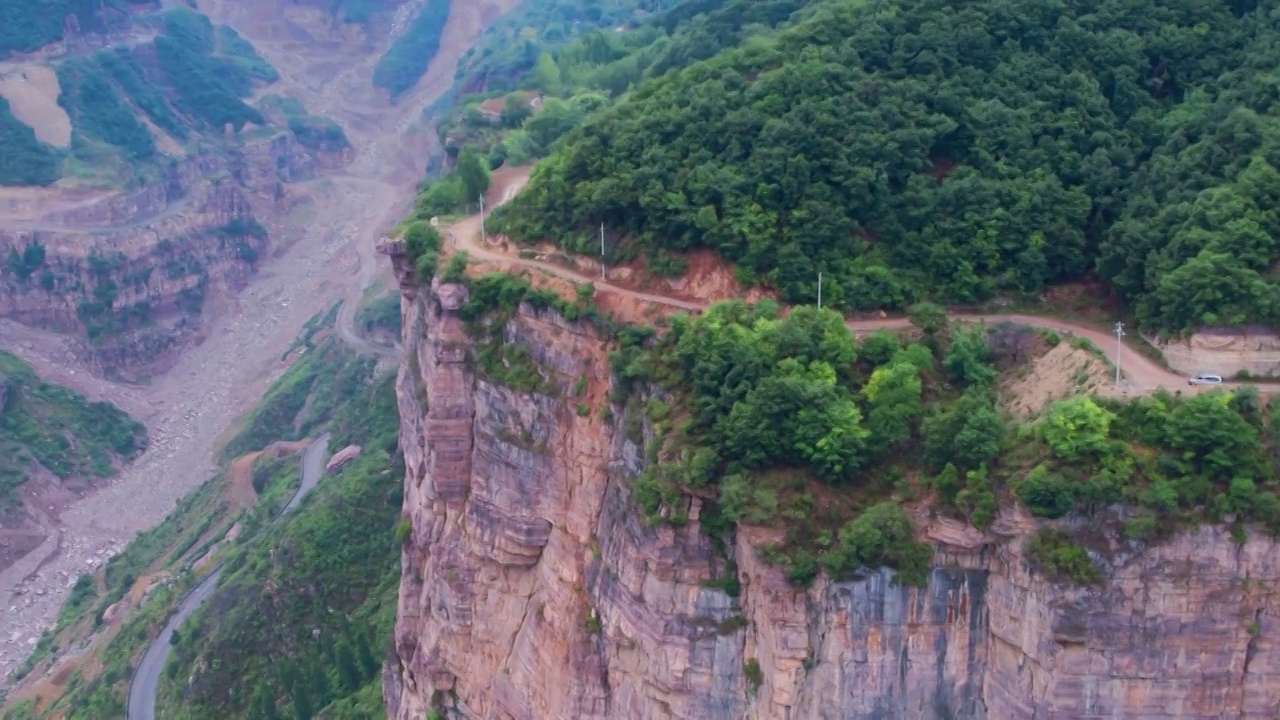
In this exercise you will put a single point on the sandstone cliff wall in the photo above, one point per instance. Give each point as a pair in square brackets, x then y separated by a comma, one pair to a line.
[531, 591]
[129, 272]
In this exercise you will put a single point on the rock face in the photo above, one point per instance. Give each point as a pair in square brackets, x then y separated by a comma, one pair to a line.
[130, 272]
[1225, 351]
[342, 457]
[531, 591]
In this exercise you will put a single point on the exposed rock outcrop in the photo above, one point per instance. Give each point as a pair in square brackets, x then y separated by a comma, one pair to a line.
[342, 457]
[531, 590]
[1225, 351]
[130, 272]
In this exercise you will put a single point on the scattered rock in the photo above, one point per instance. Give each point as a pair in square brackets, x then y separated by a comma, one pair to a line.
[342, 457]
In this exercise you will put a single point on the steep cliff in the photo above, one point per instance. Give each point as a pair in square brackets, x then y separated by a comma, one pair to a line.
[129, 272]
[532, 590]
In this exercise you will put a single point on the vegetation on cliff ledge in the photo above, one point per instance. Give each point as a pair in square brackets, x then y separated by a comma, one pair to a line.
[791, 422]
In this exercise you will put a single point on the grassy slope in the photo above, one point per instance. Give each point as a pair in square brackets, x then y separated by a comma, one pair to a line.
[50, 426]
[356, 510]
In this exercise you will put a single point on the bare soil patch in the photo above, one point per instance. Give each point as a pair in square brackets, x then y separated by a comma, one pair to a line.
[32, 91]
[1064, 370]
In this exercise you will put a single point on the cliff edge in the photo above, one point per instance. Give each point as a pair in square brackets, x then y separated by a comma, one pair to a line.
[532, 588]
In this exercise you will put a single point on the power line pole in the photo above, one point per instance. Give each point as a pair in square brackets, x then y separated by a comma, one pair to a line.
[819, 291]
[1119, 348]
[601, 250]
[483, 238]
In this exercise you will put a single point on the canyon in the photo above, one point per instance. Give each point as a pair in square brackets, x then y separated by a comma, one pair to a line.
[322, 253]
[531, 586]
[161, 249]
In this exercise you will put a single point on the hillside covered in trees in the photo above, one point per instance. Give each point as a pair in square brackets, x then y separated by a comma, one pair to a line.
[955, 152]
[190, 83]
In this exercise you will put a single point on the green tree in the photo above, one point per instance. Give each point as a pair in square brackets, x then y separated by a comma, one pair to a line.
[1047, 494]
[473, 174]
[894, 404]
[303, 707]
[422, 245]
[929, 318]
[880, 346]
[1077, 427]
[882, 535]
[968, 358]
[368, 663]
[556, 118]
[968, 434]
[348, 673]
[547, 74]
[263, 705]
[1213, 437]
[515, 110]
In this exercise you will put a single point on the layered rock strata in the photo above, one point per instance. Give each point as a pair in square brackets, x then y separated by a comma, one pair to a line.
[532, 591]
[130, 272]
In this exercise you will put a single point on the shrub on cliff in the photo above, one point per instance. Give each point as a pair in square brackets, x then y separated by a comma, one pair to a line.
[781, 416]
[882, 535]
[422, 245]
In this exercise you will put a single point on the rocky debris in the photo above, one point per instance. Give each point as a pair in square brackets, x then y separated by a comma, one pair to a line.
[113, 611]
[342, 457]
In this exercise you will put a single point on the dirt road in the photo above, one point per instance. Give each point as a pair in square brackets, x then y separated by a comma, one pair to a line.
[146, 680]
[1141, 373]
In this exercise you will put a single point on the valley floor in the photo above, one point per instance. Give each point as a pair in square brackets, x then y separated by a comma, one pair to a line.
[189, 408]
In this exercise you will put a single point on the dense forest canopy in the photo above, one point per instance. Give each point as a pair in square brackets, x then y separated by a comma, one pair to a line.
[956, 151]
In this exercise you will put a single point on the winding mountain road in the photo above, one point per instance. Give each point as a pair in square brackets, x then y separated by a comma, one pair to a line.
[146, 681]
[1141, 373]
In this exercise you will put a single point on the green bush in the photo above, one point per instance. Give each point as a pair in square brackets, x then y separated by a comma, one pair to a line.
[318, 133]
[1060, 559]
[1046, 494]
[1077, 427]
[882, 535]
[408, 57]
[422, 245]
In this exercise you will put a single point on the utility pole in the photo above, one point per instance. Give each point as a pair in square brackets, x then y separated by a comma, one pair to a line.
[819, 291]
[483, 238]
[1119, 348]
[601, 250]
